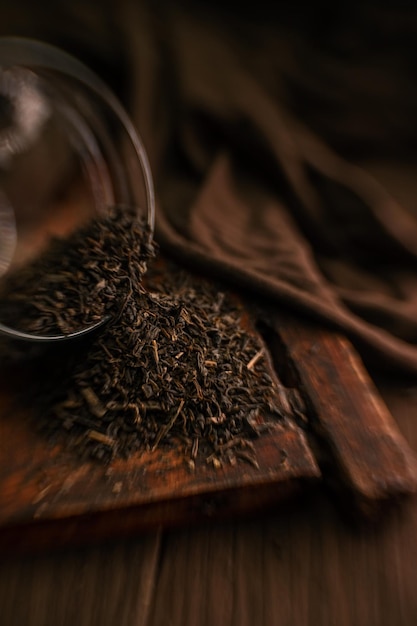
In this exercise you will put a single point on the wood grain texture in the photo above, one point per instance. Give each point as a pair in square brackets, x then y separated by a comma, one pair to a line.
[356, 431]
[110, 585]
[303, 566]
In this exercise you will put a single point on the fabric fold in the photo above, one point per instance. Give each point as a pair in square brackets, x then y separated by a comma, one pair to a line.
[251, 195]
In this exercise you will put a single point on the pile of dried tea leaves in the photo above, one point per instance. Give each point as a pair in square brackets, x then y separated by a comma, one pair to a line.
[79, 279]
[176, 366]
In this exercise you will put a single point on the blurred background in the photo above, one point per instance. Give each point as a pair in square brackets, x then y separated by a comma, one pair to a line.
[347, 70]
[284, 91]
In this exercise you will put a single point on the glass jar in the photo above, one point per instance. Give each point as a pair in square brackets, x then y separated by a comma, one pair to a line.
[68, 150]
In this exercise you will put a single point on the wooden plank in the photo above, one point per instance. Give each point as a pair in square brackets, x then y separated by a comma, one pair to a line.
[49, 496]
[355, 430]
[110, 584]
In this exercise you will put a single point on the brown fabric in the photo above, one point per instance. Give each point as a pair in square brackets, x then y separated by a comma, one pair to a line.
[249, 193]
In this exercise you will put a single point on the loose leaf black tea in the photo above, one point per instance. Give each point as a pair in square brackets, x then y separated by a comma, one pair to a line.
[177, 365]
[81, 278]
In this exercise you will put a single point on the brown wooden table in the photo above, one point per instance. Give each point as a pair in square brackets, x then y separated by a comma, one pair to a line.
[307, 563]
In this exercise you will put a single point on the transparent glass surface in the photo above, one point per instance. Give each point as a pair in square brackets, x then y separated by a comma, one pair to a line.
[68, 150]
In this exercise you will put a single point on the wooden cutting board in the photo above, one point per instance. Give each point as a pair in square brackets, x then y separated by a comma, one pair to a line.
[48, 495]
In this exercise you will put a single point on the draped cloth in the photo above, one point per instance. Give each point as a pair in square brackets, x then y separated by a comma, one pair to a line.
[265, 196]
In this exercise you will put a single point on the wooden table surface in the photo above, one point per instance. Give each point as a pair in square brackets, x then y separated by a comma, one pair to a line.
[307, 564]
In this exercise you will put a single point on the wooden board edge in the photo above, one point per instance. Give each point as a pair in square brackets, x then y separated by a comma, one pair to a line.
[356, 434]
[95, 528]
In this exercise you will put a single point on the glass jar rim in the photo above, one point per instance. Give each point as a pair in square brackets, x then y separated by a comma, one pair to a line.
[32, 53]
[39, 56]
